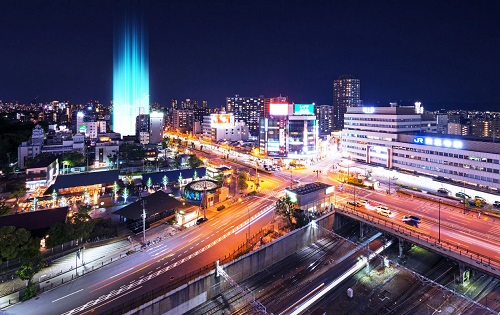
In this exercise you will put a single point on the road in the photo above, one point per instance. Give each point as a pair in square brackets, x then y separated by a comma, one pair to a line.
[158, 265]
[165, 262]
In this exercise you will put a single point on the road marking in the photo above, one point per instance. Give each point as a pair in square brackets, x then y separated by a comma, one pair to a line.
[67, 295]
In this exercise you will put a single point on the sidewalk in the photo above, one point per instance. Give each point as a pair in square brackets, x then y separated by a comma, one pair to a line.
[95, 256]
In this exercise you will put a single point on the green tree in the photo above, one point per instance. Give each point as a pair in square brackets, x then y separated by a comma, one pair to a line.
[195, 175]
[82, 222]
[16, 243]
[243, 177]
[165, 181]
[18, 190]
[194, 161]
[149, 183]
[4, 209]
[59, 233]
[74, 158]
[286, 208]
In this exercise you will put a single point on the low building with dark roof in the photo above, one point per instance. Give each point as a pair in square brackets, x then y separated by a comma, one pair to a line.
[37, 222]
[173, 175]
[64, 183]
[158, 205]
[313, 197]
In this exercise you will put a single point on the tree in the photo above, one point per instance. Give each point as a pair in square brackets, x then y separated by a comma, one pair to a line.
[4, 209]
[18, 190]
[194, 161]
[286, 208]
[125, 194]
[242, 180]
[149, 183]
[195, 175]
[16, 243]
[74, 158]
[165, 181]
[82, 222]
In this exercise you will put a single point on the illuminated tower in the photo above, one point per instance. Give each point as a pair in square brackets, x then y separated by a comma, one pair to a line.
[130, 72]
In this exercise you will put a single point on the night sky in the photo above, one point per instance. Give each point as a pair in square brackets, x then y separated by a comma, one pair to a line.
[445, 54]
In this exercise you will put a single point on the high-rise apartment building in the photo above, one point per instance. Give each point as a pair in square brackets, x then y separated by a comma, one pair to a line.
[346, 93]
[247, 109]
[182, 120]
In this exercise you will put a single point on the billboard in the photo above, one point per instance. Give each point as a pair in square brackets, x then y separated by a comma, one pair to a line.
[303, 109]
[279, 109]
[220, 120]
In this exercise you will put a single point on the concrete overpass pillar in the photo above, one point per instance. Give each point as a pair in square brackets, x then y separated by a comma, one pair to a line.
[464, 273]
[361, 230]
[337, 224]
[402, 250]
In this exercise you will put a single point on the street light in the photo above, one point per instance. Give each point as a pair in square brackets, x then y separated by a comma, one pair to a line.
[317, 173]
[439, 220]
[143, 215]
[248, 240]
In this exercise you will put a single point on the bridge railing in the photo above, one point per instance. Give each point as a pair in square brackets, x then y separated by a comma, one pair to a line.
[454, 247]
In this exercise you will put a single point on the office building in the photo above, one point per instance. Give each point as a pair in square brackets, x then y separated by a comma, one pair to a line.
[224, 127]
[399, 138]
[182, 120]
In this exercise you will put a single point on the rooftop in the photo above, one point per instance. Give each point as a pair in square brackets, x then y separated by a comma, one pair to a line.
[309, 188]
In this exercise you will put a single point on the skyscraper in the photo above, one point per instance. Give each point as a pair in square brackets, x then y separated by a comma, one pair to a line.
[346, 93]
[130, 72]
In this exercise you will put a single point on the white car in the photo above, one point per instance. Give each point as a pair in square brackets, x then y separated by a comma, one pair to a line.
[363, 202]
[384, 210]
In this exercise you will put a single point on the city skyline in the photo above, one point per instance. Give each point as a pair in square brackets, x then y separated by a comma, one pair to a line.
[440, 54]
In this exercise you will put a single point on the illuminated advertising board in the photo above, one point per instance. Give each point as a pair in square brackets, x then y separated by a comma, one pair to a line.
[278, 109]
[438, 142]
[303, 109]
[220, 120]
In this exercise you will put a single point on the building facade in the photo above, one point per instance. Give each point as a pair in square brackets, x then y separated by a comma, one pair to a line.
[325, 117]
[247, 109]
[398, 138]
[346, 93]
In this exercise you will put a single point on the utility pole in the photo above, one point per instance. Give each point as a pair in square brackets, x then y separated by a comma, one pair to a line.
[143, 221]
[439, 221]
[317, 173]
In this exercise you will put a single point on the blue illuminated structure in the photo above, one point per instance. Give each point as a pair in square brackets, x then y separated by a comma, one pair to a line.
[130, 72]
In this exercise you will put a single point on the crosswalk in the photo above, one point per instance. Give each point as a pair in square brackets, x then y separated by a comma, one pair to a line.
[272, 193]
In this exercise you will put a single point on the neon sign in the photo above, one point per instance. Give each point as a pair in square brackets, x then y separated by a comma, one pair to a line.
[437, 142]
[368, 110]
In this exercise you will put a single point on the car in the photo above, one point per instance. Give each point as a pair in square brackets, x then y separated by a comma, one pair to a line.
[462, 195]
[496, 204]
[383, 210]
[382, 207]
[480, 199]
[443, 191]
[411, 218]
[362, 202]
[296, 181]
[352, 203]
[201, 220]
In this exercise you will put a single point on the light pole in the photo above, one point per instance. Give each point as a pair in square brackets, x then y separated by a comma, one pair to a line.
[291, 179]
[248, 240]
[317, 173]
[143, 215]
[439, 220]
[464, 196]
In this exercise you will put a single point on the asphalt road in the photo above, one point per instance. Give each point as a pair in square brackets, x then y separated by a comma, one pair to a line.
[202, 245]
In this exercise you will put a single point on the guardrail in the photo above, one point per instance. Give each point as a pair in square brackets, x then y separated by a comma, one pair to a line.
[450, 249]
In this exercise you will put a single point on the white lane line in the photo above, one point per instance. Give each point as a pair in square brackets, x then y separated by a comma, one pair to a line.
[67, 295]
